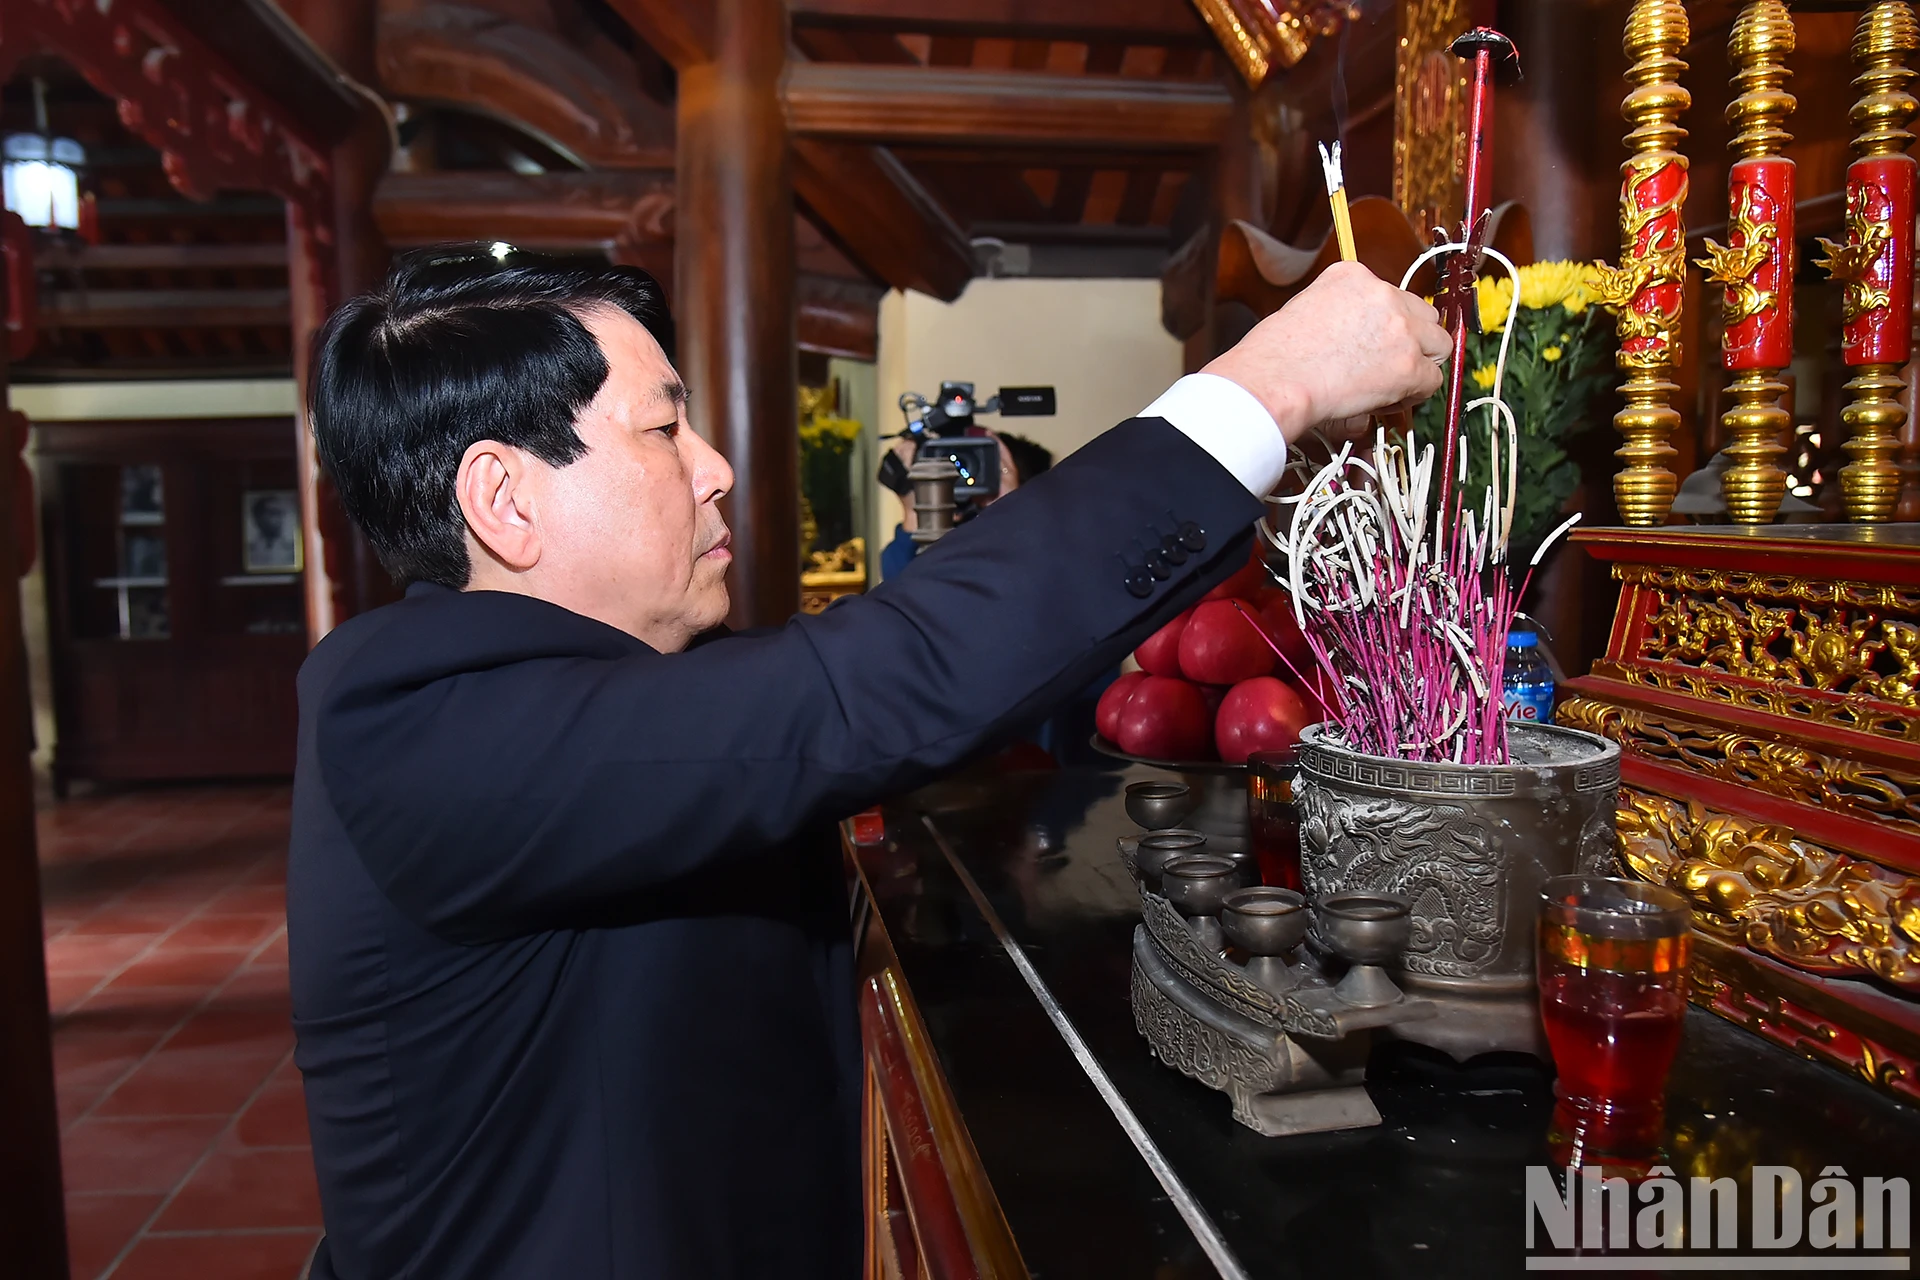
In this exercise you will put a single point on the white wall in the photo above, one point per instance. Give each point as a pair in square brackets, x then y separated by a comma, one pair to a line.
[210, 398]
[1099, 343]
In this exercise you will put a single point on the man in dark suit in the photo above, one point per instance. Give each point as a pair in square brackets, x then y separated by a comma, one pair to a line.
[571, 969]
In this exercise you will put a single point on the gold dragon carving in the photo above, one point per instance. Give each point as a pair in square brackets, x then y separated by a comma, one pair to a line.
[1734, 266]
[1662, 261]
[1852, 262]
[1760, 886]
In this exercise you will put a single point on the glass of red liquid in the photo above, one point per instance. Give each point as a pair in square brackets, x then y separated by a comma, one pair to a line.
[1613, 993]
[1273, 825]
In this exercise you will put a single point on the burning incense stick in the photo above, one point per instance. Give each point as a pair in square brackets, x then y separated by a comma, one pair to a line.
[1337, 195]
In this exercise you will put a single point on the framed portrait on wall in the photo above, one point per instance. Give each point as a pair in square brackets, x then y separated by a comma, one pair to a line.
[270, 531]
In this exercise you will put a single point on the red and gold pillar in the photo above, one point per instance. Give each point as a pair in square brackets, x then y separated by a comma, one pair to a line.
[1756, 264]
[1876, 262]
[1644, 291]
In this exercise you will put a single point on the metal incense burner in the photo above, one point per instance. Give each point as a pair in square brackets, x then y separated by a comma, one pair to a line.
[1424, 880]
[1224, 990]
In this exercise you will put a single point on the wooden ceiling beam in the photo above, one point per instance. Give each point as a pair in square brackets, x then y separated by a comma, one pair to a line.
[867, 200]
[81, 256]
[966, 107]
[1156, 22]
[679, 31]
[531, 79]
[168, 310]
[541, 211]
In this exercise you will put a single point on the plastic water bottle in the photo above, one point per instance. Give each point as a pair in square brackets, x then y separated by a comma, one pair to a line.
[1528, 684]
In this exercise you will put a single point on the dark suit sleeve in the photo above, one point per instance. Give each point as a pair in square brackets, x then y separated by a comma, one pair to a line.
[528, 791]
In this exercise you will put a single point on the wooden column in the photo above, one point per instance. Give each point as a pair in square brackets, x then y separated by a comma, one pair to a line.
[344, 577]
[33, 1226]
[734, 281]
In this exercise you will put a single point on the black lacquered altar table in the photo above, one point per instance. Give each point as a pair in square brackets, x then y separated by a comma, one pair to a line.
[1436, 1190]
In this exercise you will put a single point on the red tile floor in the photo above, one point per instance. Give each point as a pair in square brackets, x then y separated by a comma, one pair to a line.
[184, 1138]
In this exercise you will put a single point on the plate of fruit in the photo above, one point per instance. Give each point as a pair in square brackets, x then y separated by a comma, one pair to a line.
[1224, 679]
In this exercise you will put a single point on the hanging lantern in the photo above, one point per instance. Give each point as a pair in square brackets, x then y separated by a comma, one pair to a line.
[42, 177]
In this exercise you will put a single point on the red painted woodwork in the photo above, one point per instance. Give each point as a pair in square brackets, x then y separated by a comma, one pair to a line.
[1764, 189]
[940, 1232]
[1749, 671]
[1646, 191]
[1881, 190]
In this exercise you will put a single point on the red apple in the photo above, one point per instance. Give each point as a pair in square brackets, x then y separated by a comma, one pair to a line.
[1106, 713]
[1159, 653]
[1246, 580]
[1222, 645]
[1276, 617]
[1215, 694]
[1261, 714]
[1165, 719]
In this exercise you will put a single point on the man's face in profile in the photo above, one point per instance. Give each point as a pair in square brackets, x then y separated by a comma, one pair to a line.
[631, 533]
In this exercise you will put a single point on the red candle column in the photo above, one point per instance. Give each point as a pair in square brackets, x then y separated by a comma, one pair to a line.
[1756, 264]
[1876, 262]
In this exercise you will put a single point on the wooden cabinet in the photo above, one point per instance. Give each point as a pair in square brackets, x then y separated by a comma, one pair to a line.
[176, 616]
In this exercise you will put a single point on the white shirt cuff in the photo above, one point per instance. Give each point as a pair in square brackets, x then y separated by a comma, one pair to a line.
[1222, 417]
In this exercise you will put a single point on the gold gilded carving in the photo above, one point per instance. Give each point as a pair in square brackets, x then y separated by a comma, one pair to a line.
[1783, 769]
[1884, 38]
[1429, 89]
[1852, 262]
[1857, 640]
[1762, 38]
[1260, 35]
[1760, 886]
[1856, 714]
[1735, 267]
[1873, 416]
[1755, 485]
[1653, 253]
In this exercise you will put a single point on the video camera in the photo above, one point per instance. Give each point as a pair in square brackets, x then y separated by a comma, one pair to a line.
[944, 429]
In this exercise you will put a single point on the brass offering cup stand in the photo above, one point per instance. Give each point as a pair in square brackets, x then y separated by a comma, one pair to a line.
[1225, 992]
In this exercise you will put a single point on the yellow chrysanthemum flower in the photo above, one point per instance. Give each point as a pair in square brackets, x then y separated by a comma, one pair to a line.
[1564, 284]
[1495, 298]
[1483, 376]
[1549, 354]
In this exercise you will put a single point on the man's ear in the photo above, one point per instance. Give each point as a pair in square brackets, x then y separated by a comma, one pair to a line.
[491, 488]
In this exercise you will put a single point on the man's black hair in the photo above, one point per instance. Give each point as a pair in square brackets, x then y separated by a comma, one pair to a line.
[1029, 459]
[461, 343]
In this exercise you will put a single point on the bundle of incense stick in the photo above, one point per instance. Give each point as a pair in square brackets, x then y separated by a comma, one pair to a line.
[1402, 588]
[1337, 196]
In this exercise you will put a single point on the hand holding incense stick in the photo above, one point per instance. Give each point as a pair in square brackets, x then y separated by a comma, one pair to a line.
[1337, 195]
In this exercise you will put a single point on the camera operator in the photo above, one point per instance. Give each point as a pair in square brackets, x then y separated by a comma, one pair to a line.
[1020, 461]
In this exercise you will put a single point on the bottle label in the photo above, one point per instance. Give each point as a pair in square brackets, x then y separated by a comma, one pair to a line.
[1535, 703]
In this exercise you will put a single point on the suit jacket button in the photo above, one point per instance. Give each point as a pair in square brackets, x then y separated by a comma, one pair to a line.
[1170, 547]
[1139, 583]
[1157, 564]
[1193, 537]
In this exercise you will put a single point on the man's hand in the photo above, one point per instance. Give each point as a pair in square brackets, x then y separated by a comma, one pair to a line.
[1346, 346]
